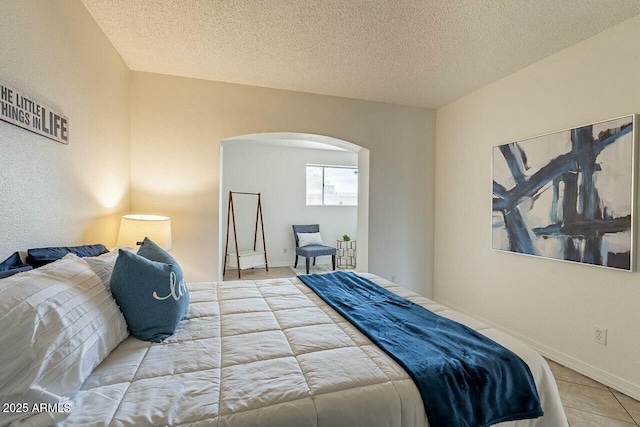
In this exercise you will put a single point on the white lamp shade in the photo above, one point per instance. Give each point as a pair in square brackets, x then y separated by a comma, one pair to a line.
[134, 228]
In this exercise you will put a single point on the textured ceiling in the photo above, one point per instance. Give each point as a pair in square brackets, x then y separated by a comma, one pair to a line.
[423, 53]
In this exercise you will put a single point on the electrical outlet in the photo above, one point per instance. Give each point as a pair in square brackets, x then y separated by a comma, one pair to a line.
[393, 278]
[600, 335]
[284, 250]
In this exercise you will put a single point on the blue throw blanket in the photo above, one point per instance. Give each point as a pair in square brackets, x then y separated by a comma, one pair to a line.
[465, 379]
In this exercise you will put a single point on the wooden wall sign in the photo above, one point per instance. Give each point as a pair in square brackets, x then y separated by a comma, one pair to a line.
[18, 109]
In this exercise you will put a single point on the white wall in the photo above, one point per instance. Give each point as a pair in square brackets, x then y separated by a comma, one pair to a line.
[176, 128]
[555, 305]
[55, 194]
[279, 174]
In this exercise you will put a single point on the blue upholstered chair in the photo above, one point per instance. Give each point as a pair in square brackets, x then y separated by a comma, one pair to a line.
[312, 251]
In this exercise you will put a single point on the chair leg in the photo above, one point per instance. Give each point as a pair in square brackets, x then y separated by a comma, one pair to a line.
[296, 263]
[307, 260]
[333, 261]
[314, 260]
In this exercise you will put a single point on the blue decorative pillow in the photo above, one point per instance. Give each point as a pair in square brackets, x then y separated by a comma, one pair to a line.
[40, 256]
[150, 250]
[151, 293]
[13, 265]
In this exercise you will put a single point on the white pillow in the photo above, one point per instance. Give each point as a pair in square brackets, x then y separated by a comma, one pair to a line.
[57, 323]
[103, 264]
[306, 239]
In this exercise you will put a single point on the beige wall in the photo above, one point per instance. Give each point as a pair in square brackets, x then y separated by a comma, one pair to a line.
[55, 194]
[178, 123]
[554, 305]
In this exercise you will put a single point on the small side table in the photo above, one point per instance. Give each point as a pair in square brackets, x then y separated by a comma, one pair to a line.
[346, 253]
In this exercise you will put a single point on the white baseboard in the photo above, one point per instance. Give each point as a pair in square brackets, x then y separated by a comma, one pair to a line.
[301, 262]
[282, 264]
[271, 264]
[597, 374]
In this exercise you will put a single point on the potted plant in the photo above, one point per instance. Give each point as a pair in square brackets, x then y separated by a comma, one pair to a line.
[346, 238]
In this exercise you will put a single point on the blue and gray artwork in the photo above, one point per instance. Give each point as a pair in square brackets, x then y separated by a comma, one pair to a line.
[567, 195]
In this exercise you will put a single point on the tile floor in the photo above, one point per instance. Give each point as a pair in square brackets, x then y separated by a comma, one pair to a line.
[259, 274]
[587, 403]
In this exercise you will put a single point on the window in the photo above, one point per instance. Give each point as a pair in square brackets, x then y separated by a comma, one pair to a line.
[332, 185]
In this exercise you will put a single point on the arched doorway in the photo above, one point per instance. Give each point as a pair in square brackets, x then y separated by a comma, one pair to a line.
[304, 140]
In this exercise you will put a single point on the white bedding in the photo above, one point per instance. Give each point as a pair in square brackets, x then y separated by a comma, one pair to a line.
[272, 353]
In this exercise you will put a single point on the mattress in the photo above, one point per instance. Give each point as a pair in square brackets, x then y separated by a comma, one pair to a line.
[272, 353]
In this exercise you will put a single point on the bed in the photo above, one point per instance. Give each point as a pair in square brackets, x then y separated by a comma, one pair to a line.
[272, 353]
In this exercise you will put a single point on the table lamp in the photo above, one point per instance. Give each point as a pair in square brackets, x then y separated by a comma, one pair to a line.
[134, 228]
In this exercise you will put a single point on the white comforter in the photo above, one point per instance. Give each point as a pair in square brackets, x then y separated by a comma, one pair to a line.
[271, 353]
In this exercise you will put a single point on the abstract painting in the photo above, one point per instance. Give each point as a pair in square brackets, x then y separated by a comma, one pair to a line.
[568, 195]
